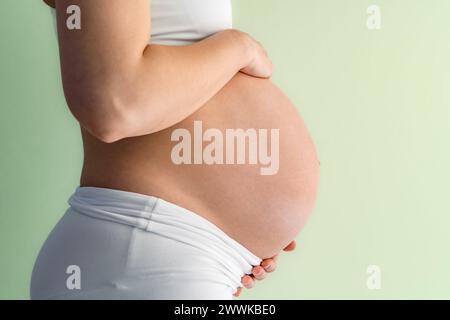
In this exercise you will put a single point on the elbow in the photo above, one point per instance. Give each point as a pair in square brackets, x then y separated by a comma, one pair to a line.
[106, 129]
[108, 135]
[101, 113]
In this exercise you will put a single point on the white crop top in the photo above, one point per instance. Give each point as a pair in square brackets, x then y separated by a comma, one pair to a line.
[181, 22]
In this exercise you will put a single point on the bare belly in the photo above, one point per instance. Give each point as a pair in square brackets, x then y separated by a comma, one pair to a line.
[264, 212]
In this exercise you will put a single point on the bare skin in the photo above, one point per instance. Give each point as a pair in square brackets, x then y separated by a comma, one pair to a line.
[128, 102]
[236, 198]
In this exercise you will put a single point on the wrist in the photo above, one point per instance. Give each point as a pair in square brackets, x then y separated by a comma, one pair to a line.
[244, 45]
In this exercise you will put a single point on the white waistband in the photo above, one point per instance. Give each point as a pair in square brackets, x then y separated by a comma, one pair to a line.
[157, 215]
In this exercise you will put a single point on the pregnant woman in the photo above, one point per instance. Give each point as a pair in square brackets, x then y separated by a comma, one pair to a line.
[148, 80]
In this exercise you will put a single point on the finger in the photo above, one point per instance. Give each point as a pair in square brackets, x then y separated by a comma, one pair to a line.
[269, 265]
[291, 246]
[248, 281]
[259, 273]
[238, 292]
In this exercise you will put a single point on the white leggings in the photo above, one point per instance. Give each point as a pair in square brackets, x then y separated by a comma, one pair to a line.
[113, 244]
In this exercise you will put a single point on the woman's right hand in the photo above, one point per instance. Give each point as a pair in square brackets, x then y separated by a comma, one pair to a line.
[259, 64]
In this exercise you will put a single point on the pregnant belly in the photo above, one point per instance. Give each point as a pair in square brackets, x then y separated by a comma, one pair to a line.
[262, 200]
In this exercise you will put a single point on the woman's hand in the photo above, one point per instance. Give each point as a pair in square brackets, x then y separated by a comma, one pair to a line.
[261, 271]
[260, 65]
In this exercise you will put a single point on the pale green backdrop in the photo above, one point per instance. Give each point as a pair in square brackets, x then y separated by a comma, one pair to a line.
[378, 106]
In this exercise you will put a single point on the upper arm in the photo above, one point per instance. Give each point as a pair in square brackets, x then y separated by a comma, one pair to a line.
[112, 37]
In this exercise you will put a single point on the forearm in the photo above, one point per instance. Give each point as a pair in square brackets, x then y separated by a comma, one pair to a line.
[171, 83]
[157, 89]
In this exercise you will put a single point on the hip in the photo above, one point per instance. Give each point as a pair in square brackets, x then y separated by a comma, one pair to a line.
[125, 245]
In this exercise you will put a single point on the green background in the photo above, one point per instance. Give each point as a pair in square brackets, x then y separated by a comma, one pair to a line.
[377, 104]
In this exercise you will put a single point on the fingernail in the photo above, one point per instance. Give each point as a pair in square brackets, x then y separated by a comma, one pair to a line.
[248, 283]
[268, 266]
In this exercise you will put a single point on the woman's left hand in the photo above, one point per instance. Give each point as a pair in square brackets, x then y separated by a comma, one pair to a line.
[260, 272]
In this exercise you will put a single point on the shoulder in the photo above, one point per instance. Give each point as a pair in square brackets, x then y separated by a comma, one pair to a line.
[51, 3]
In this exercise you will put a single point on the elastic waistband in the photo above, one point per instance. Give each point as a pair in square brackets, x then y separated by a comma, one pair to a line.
[118, 206]
[157, 215]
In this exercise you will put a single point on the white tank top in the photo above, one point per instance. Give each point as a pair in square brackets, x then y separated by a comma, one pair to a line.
[181, 22]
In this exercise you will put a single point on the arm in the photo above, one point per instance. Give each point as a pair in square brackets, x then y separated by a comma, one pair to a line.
[118, 86]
